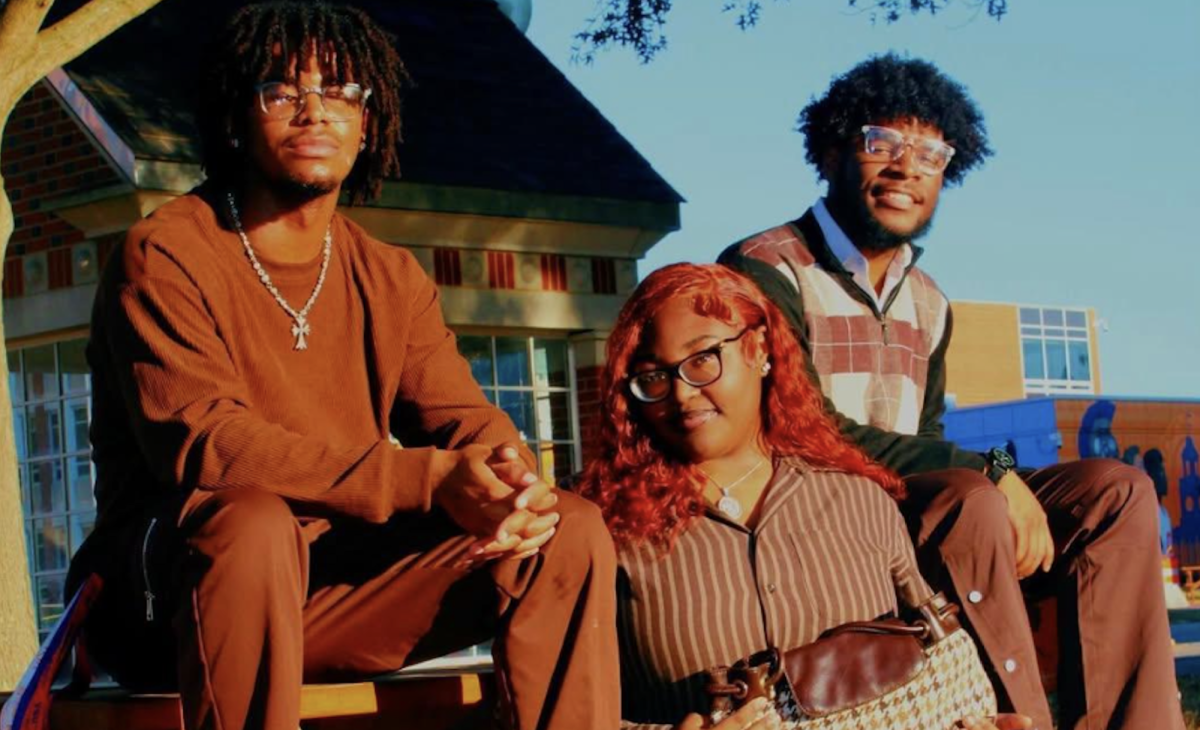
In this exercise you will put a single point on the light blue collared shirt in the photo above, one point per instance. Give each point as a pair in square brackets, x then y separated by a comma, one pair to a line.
[852, 259]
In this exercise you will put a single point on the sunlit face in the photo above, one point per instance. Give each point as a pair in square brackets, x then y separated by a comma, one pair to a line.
[884, 202]
[310, 153]
[711, 421]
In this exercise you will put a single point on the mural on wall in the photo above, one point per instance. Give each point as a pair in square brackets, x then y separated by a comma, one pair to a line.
[1188, 531]
[1095, 431]
[1159, 438]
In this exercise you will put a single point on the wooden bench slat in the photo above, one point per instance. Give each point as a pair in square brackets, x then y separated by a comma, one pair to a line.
[337, 700]
[162, 712]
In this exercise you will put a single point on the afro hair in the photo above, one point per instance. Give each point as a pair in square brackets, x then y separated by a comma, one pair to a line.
[891, 88]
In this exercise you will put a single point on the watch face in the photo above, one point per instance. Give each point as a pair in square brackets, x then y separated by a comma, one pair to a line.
[1002, 459]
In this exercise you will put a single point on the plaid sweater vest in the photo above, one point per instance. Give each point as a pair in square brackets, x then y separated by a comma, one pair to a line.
[872, 366]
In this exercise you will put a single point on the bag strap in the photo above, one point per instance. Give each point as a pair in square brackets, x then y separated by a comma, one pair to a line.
[911, 590]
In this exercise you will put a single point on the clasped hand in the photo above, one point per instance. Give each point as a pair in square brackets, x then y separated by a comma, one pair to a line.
[492, 495]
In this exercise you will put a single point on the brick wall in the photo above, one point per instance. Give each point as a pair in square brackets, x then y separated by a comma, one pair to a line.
[983, 363]
[45, 155]
[587, 383]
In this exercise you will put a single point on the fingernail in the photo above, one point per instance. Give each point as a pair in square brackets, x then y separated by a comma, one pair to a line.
[509, 453]
[528, 478]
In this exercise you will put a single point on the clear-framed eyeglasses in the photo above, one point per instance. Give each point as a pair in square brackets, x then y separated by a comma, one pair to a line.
[280, 100]
[887, 144]
[697, 370]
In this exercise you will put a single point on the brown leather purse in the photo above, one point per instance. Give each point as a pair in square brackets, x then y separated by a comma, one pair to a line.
[922, 674]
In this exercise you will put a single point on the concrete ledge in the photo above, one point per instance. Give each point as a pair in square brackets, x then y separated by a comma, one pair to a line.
[48, 312]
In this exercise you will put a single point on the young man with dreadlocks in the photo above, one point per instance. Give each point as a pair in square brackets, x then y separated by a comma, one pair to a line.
[253, 352]
[885, 137]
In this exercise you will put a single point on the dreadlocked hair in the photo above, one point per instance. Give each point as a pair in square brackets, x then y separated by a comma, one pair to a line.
[891, 88]
[265, 42]
[649, 493]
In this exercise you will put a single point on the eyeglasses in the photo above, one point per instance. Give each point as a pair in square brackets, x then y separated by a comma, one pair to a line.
[931, 155]
[697, 370]
[281, 100]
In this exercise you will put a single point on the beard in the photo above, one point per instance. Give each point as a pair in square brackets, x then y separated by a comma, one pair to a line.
[865, 230]
[297, 190]
[874, 236]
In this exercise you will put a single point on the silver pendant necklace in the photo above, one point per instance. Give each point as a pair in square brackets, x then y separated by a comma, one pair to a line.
[301, 329]
[728, 504]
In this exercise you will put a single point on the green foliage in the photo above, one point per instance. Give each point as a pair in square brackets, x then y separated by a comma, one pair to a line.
[641, 24]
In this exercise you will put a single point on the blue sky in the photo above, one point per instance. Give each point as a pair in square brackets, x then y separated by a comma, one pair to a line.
[1090, 105]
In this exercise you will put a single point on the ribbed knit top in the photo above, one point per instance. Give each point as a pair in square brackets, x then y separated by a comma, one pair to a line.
[196, 384]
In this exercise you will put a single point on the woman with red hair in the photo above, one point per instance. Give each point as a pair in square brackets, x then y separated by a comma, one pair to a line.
[742, 518]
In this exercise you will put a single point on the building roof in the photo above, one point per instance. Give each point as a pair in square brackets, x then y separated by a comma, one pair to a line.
[490, 110]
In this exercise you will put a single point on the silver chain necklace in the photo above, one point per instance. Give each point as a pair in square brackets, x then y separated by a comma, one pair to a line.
[728, 504]
[301, 329]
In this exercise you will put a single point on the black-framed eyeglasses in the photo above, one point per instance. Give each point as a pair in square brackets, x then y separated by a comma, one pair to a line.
[697, 370]
[931, 155]
[281, 100]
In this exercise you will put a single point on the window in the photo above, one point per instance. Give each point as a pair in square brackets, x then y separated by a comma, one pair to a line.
[51, 393]
[1035, 364]
[530, 378]
[1081, 370]
[1056, 360]
[1055, 350]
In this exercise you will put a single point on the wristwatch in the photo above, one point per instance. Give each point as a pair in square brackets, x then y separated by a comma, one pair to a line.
[999, 463]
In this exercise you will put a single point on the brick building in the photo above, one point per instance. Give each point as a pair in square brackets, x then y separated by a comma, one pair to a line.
[1001, 352]
[519, 198]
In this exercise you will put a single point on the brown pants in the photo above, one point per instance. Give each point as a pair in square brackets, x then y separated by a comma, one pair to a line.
[250, 601]
[1115, 663]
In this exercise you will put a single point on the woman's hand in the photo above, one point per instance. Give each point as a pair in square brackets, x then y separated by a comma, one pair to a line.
[757, 714]
[999, 722]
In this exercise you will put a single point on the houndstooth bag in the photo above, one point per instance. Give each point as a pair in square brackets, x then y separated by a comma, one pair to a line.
[868, 675]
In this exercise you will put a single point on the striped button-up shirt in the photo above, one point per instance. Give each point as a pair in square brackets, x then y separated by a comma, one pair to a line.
[828, 548]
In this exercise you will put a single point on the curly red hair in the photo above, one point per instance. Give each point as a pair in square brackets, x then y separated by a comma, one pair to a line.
[643, 489]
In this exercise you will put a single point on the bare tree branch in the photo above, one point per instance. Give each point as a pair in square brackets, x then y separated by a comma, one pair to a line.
[20, 21]
[82, 29]
[641, 24]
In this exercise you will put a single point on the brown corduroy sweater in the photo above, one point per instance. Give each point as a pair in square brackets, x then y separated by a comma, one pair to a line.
[196, 384]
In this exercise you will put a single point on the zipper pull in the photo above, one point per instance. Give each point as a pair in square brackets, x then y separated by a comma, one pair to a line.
[149, 606]
[883, 323]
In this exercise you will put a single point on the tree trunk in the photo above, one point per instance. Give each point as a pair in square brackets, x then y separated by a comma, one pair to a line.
[29, 52]
[18, 636]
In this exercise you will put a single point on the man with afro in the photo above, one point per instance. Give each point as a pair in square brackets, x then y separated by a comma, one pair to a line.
[886, 137]
[253, 353]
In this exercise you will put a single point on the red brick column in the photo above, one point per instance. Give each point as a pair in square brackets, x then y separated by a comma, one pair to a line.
[587, 381]
[589, 364]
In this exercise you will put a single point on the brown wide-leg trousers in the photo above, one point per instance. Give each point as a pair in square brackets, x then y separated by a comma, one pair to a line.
[1115, 663]
[249, 602]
